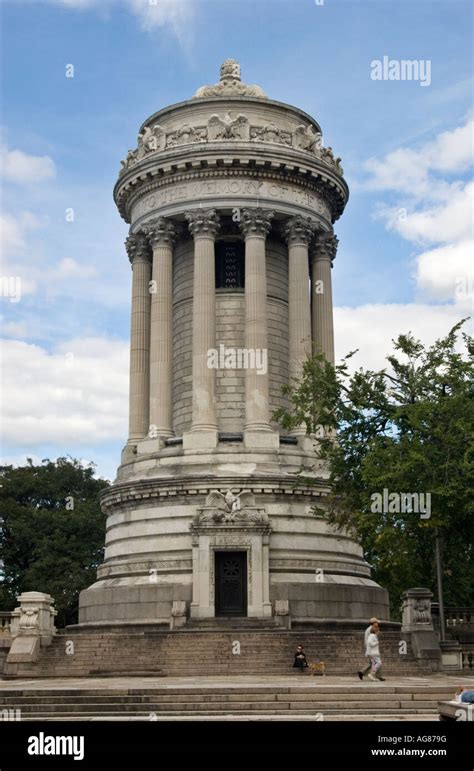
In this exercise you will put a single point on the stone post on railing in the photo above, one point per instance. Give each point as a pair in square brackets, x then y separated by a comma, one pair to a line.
[417, 626]
[32, 627]
[282, 613]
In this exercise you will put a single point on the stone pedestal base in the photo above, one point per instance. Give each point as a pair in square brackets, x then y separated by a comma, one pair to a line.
[24, 650]
[150, 446]
[261, 440]
[200, 440]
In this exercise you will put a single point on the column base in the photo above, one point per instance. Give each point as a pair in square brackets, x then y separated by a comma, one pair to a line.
[149, 446]
[261, 440]
[200, 440]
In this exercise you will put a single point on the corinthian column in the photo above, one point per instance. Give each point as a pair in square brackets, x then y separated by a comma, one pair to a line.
[139, 256]
[203, 225]
[160, 233]
[323, 253]
[255, 225]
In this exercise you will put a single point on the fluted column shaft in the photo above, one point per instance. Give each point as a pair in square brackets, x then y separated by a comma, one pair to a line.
[139, 255]
[160, 233]
[299, 232]
[323, 253]
[255, 225]
[204, 225]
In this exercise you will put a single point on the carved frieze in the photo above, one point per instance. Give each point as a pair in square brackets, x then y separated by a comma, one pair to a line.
[229, 126]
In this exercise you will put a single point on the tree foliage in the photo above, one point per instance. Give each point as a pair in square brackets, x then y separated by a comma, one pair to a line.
[408, 428]
[52, 532]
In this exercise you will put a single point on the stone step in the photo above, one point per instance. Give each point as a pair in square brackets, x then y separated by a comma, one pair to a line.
[339, 707]
[165, 698]
[241, 717]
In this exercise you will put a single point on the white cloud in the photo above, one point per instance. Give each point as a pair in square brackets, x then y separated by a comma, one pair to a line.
[442, 223]
[157, 13]
[75, 3]
[443, 273]
[432, 210]
[69, 268]
[371, 328]
[76, 394]
[13, 231]
[412, 172]
[11, 235]
[14, 329]
[151, 13]
[22, 168]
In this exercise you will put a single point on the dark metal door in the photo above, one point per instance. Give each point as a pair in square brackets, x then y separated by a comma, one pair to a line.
[231, 583]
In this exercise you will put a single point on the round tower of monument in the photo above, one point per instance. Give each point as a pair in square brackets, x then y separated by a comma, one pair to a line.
[231, 199]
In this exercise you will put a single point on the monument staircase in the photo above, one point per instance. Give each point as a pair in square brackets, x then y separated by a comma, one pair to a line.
[219, 669]
[211, 647]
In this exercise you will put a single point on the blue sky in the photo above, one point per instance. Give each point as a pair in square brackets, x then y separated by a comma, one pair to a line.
[405, 249]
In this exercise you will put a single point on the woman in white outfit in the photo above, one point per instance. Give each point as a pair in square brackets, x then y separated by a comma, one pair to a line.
[373, 651]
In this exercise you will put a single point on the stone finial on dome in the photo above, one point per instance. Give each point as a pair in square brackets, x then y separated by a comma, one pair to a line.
[230, 71]
[230, 84]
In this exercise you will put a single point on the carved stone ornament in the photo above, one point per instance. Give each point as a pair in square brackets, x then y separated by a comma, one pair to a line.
[29, 619]
[228, 127]
[307, 138]
[324, 246]
[227, 508]
[137, 248]
[151, 140]
[328, 157]
[230, 84]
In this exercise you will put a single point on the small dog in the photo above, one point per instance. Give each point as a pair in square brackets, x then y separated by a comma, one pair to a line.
[317, 668]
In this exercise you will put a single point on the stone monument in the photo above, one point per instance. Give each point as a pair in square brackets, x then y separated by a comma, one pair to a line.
[231, 199]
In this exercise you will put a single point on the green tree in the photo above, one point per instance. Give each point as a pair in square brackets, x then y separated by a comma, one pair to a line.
[408, 428]
[51, 532]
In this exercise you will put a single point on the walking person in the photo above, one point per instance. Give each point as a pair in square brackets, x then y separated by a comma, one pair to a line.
[300, 659]
[373, 652]
[367, 669]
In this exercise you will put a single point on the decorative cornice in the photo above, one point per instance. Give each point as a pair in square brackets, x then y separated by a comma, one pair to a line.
[329, 188]
[299, 230]
[203, 222]
[137, 248]
[160, 232]
[256, 222]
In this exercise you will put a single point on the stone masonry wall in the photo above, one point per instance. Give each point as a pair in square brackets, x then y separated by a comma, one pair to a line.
[230, 331]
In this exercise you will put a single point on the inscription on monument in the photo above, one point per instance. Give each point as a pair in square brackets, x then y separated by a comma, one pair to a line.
[254, 189]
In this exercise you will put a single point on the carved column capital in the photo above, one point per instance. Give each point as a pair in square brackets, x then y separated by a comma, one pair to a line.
[324, 247]
[203, 222]
[299, 230]
[256, 222]
[160, 232]
[137, 248]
